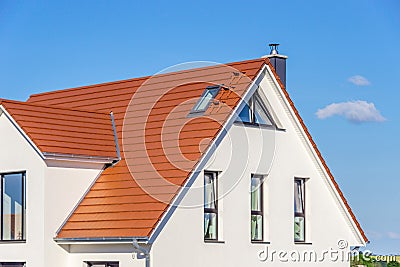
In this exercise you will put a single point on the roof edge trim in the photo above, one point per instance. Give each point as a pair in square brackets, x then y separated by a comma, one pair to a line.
[324, 169]
[201, 163]
[101, 240]
[78, 158]
[21, 131]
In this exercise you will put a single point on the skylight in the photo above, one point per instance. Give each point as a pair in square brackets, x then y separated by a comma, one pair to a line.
[208, 95]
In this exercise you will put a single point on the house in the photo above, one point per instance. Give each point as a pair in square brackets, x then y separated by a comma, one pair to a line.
[210, 166]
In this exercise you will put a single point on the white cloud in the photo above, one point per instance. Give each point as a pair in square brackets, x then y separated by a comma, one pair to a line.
[354, 111]
[359, 80]
[393, 235]
[374, 235]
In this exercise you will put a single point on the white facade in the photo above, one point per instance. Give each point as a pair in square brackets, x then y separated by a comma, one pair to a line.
[54, 188]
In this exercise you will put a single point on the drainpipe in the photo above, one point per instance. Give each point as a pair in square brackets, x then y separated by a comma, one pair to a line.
[115, 138]
[141, 252]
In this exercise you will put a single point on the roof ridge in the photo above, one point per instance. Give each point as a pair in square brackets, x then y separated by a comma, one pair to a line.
[142, 78]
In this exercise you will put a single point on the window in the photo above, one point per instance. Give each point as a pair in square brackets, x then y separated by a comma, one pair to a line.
[255, 112]
[209, 94]
[102, 263]
[210, 206]
[12, 200]
[12, 264]
[299, 211]
[257, 208]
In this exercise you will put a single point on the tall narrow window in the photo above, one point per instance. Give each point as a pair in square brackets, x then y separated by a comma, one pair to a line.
[299, 211]
[12, 206]
[257, 208]
[210, 206]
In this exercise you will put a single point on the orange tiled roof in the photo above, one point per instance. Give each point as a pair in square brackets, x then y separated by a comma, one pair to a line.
[151, 118]
[116, 206]
[62, 131]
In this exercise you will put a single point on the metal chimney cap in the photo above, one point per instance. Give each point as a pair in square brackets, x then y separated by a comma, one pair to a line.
[274, 49]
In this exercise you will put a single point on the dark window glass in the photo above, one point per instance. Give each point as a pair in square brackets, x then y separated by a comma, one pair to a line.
[257, 208]
[210, 206]
[12, 206]
[245, 114]
[255, 112]
[299, 211]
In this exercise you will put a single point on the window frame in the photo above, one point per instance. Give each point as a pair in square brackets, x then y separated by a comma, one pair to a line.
[251, 104]
[210, 210]
[196, 111]
[301, 214]
[5, 264]
[91, 263]
[23, 217]
[256, 212]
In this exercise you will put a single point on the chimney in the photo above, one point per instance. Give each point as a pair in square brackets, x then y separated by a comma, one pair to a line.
[278, 61]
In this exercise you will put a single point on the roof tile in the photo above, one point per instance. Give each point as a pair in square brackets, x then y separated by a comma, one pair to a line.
[59, 130]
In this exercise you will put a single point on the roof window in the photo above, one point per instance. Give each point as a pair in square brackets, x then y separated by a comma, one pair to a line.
[208, 95]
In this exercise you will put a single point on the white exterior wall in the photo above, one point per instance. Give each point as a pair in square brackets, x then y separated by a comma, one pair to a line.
[63, 189]
[17, 155]
[181, 241]
[104, 252]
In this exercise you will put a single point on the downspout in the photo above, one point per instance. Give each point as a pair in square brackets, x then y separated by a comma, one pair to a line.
[141, 252]
[115, 139]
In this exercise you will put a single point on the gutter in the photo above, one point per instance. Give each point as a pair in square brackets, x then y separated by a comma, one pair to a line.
[101, 240]
[80, 158]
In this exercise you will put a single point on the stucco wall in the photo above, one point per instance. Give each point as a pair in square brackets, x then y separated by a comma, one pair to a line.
[17, 155]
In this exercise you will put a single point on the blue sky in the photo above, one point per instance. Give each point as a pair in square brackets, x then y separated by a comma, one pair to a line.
[48, 45]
